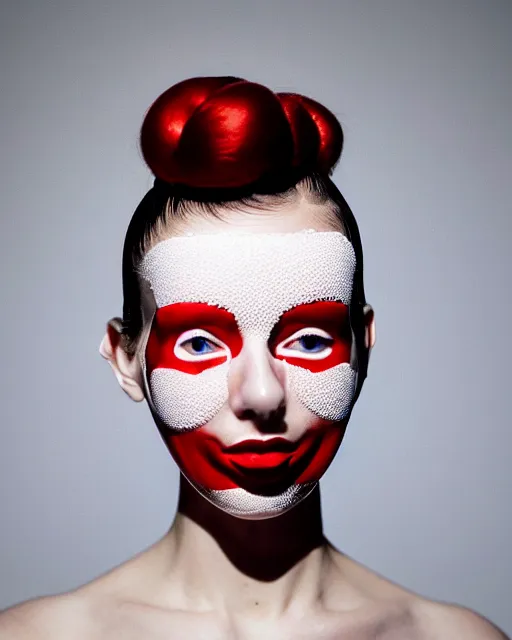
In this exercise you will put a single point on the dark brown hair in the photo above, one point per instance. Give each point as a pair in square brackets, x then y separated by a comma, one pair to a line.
[221, 143]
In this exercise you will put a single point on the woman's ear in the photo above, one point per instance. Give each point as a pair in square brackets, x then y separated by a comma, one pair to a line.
[369, 323]
[126, 368]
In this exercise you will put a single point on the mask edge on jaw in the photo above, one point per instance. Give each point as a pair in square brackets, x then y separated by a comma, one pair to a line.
[217, 497]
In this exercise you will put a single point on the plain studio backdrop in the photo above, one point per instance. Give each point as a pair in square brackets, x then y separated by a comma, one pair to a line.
[420, 490]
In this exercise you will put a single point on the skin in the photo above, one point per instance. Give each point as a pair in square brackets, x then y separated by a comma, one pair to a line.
[273, 578]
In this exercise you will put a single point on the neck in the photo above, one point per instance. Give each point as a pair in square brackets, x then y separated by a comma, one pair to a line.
[265, 563]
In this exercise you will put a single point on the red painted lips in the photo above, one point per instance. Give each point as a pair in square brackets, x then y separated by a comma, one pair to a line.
[248, 455]
[259, 466]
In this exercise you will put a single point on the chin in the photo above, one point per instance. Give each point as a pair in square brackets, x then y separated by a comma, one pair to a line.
[246, 505]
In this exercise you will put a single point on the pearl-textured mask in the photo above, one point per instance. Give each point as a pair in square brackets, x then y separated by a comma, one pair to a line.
[217, 292]
[257, 278]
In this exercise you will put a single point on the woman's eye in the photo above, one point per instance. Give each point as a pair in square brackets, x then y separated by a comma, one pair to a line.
[199, 346]
[310, 344]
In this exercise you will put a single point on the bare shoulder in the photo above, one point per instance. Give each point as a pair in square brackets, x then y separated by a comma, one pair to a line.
[439, 621]
[403, 611]
[90, 611]
[50, 617]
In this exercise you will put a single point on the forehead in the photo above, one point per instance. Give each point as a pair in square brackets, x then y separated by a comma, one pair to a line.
[255, 276]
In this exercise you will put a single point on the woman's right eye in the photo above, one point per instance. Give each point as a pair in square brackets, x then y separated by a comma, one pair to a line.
[198, 343]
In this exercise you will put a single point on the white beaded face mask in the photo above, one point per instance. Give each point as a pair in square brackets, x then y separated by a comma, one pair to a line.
[288, 293]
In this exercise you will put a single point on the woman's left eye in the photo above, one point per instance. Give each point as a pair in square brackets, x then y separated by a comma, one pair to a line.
[310, 344]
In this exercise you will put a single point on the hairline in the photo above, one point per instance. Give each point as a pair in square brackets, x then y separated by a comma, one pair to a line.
[178, 212]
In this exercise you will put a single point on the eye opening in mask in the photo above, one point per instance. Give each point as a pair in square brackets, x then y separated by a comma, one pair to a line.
[284, 349]
[198, 335]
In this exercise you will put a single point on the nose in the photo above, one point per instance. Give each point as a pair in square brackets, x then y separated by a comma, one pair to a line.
[256, 384]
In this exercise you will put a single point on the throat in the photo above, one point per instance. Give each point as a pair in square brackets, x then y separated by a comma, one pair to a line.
[248, 563]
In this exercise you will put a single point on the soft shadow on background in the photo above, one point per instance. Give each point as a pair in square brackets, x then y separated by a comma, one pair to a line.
[421, 489]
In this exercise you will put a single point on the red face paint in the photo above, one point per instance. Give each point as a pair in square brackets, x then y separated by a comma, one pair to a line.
[206, 461]
[256, 467]
[173, 320]
[331, 317]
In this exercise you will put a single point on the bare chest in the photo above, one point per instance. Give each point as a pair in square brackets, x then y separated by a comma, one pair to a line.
[189, 626]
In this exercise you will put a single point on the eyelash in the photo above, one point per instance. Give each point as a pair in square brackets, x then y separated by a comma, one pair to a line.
[310, 332]
[188, 336]
[283, 348]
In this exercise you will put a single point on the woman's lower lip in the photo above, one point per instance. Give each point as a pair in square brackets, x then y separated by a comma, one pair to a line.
[255, 461]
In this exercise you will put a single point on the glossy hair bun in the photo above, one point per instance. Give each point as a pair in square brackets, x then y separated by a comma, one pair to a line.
[226, 132]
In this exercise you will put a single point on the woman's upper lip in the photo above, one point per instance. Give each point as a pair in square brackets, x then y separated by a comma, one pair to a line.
[262, 446]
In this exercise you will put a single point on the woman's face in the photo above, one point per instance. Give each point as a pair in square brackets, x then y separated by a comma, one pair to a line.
[248, 355]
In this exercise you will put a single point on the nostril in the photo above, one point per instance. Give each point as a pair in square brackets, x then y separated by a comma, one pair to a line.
[266, 422]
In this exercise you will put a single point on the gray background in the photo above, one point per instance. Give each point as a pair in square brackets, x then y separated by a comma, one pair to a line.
[420, 491]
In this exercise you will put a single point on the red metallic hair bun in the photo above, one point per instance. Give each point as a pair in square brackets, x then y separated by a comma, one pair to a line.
[227, 132]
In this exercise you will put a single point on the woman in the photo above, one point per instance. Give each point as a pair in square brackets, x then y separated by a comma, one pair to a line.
[245, 327]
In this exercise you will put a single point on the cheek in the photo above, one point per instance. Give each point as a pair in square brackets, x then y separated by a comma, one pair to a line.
[185, 401]
[199, 457]
[328, 394]
[325, 442]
